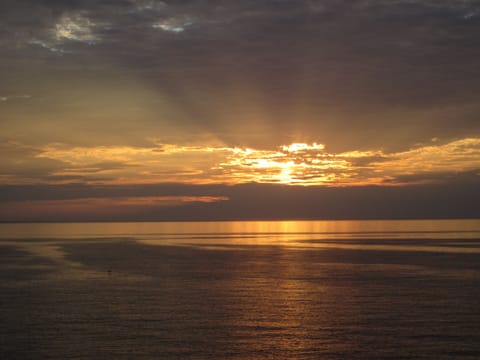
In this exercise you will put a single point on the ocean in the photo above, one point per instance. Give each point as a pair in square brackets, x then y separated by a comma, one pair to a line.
[241, 290]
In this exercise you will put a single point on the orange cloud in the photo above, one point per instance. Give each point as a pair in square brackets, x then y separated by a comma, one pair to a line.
[295, 164]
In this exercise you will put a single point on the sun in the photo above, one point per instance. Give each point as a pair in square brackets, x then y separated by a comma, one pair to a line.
[286, 173]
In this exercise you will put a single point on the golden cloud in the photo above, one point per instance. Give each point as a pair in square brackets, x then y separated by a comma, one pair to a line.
[295, 164]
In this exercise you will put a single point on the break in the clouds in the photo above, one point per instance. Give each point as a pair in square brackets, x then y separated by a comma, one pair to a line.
[294, 164]
[216, 92]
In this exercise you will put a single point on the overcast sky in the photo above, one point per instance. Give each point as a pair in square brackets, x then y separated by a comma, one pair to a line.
[143, 109]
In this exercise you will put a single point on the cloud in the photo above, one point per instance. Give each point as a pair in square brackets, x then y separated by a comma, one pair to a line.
[76, 27]
[175, 25]
[294, 164]
[470, 15]
[19, 164]
[456, 156]
[14, 97]
[257, 74]
[76, 202]
[69, 29]
[239, 91]
[144, 201]
[149, 5]
[88, 207]
[47, 45]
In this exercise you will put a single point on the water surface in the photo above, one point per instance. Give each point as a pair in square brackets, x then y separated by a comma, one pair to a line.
[241, 290]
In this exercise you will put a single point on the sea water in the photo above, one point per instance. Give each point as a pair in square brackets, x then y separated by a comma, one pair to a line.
[241, 290]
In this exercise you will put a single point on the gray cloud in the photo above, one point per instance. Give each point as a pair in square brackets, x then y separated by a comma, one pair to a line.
[378, 73]
[18, 162]
[14, 97]
[252, 201]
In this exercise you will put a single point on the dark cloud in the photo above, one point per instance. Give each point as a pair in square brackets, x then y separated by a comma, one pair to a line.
[452, 178]
[253, 201]
[391, 73]
[79, 191]
[18, 161]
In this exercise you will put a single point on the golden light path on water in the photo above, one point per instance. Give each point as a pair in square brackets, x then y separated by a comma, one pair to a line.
[261, 284]
[449, 236]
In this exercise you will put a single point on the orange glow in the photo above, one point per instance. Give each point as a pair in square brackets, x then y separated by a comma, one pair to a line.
[294, 164]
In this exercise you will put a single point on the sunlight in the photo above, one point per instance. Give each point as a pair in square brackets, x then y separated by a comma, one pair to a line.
[285, 176]
[295, 147]
[294, 164]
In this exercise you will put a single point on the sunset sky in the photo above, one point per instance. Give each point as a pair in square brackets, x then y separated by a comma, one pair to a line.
[252, 109]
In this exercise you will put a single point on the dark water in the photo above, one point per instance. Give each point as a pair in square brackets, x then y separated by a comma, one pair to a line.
[255, 290]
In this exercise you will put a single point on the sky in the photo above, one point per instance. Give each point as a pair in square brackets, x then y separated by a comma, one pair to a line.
[253, 109]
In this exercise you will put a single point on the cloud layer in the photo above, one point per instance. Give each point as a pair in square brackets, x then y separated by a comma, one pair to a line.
[357, 74]
[210, 100]
[294, 164]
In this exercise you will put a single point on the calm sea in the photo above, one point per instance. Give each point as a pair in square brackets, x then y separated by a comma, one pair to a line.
[241, 290]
